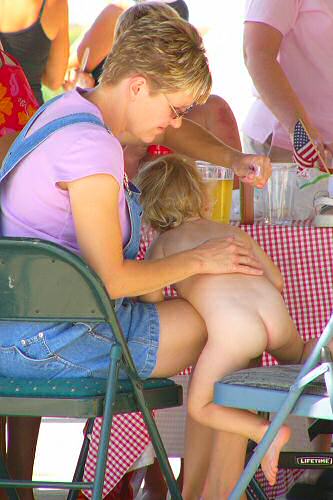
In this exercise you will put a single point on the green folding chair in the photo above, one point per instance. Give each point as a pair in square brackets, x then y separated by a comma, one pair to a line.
[41, 281]
[301, 390]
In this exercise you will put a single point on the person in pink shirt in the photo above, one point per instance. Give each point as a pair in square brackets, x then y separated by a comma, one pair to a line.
[288, 51]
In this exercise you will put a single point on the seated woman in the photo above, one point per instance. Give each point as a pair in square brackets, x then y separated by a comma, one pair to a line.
[79, 200]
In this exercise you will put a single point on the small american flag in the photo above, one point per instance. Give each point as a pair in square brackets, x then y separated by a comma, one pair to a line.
[304, 150]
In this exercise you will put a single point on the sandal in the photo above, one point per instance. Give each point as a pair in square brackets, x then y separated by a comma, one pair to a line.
[324, 210]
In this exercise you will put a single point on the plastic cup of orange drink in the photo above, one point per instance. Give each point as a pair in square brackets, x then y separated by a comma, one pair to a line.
[220, 184]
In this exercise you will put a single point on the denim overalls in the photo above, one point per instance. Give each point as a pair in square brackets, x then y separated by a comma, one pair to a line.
[60, 350]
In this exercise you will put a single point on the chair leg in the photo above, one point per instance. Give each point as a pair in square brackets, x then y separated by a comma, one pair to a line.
[255, 492]
[11, 492]
[158, 445]
[3, 436]
[79, 470]
[111, 390]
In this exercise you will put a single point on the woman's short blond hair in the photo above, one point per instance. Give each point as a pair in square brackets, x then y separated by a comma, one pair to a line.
[153, 41]
[172, 191]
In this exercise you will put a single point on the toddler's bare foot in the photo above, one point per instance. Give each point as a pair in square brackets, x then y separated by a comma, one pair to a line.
[270, 461]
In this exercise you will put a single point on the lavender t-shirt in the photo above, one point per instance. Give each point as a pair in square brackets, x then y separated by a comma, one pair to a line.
[32, 203]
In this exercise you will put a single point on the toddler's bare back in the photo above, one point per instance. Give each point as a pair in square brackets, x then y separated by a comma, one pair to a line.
[211, 294]
[192, 233]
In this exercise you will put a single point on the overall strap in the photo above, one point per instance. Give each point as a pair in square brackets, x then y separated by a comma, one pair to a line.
[25, 145]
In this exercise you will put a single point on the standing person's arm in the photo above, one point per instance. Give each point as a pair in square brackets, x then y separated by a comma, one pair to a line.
[261, 47]
[99, 37]
[95, 207]
[194, 141]
[55, 19]
[99, 40]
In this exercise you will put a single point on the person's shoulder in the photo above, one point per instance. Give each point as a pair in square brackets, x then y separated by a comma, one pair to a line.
[270, 12]
[55, 16]
[228, 231]
[98, 141]
[72, 103]
[59, 3]
[90, 138]
[56, 5]
[112, 11]
[216, 103]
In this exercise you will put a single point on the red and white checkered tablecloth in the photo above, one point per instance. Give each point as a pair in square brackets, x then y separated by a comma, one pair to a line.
[305, 256]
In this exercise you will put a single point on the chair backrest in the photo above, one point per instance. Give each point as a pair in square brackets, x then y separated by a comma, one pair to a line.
[40, 280]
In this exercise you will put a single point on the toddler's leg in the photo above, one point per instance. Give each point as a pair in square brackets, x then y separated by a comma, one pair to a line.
[198, 449]
[234, 338]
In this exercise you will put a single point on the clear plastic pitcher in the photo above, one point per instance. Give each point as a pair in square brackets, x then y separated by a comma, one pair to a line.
[278, 194]
[220, 189]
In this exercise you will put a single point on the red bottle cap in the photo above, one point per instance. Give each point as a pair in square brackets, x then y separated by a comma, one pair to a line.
[158, 150]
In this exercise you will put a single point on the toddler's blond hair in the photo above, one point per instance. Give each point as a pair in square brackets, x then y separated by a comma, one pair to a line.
[172, 191]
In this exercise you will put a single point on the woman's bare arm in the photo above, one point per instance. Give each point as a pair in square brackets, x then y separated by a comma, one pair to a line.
[94, 203]
[54, 73]
[261, 47]
[99, 37]
[196, 142]
[155, 251]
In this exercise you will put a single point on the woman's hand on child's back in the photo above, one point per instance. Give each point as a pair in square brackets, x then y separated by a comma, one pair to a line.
[226, 256]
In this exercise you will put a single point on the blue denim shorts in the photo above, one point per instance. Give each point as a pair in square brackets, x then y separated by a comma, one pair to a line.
[61, 350]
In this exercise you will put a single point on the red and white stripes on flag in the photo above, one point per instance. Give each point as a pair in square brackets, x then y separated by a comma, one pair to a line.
[304, 150]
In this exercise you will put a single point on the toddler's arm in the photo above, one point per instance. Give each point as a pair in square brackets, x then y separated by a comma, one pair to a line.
[154, 252]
